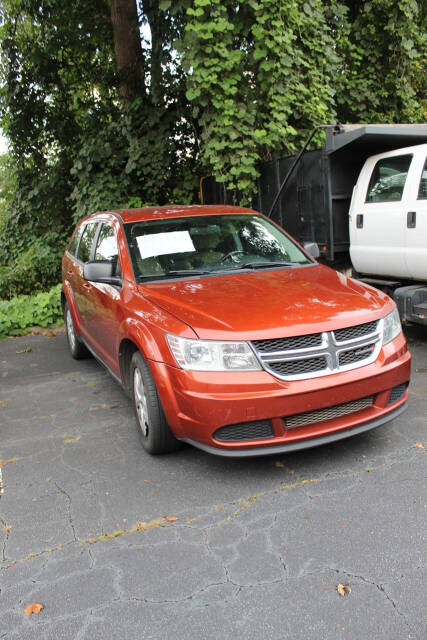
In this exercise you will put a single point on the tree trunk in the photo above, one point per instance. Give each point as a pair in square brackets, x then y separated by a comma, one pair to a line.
[127, 47]
[154, 16]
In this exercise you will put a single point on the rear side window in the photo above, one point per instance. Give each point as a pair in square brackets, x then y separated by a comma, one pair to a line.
[86, 242]
[75, 240]
[106, 248]
[422, 191]
[388, 179]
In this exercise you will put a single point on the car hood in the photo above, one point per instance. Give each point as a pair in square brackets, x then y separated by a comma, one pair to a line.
[260, 304]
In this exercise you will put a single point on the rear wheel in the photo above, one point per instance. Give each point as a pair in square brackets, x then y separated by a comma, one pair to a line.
[76, 346]
[153, 429]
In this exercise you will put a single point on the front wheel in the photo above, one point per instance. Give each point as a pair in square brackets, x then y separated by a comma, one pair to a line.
[153, 429]
[76, 346]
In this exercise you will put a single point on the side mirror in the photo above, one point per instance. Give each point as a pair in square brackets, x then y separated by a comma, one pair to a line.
[312, 248]
[101, 271]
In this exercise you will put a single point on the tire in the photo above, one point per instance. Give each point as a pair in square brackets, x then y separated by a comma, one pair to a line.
[77, 349]
[153, 429]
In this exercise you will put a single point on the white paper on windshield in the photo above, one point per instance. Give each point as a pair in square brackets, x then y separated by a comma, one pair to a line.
[161, 244]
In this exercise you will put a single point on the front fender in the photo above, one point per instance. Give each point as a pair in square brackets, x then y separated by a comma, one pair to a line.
[142, 337]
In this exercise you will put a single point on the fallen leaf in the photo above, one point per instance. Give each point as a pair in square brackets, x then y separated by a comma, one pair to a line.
[72, 440]
[3, 462]
[418, 445]
[343, 589]
[4, 403]
[171, 518]
[35, 607]
[26, 350]
[279, 464]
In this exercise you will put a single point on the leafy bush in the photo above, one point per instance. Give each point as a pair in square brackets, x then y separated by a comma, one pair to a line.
[22, 312]
[37, 268]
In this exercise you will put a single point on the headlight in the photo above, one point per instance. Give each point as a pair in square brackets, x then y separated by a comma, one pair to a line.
[392, 326]
[210, 355]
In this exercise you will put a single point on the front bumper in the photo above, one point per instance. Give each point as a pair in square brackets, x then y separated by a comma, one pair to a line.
[303, 444]
[196, 404]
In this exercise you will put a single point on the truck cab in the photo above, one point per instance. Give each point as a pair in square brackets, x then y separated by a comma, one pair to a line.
[388, 215]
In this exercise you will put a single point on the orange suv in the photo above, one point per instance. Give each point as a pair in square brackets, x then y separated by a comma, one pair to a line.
[229, 335]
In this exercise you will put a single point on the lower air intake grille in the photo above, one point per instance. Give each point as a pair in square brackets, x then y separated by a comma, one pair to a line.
[321, 415]
[397, 392]
[245, 431]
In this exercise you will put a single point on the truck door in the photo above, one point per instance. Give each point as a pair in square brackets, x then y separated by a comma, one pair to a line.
[416, 218]
[378, 216]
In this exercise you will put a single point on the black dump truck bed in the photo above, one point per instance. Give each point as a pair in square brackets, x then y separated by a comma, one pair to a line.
[314, 204]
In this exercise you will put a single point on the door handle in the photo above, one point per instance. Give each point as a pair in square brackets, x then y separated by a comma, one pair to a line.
[359, 221]
[411, 219]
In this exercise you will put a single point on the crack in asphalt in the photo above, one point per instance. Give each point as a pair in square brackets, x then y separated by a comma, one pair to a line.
[69, 505]
[380, 588]
[243, 505]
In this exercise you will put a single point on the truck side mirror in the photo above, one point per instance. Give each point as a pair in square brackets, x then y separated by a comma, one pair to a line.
[312, 248]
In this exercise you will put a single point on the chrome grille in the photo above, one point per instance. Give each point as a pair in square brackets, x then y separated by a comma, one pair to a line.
[284, 344]
[245, 431]
[320, 354]
[292, 367]
[321, 415]
[360, 330]
[354, 355]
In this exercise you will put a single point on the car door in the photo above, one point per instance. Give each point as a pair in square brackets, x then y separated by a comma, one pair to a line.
[416, 218]
[104, 301]
[378, 216]
[82, 288]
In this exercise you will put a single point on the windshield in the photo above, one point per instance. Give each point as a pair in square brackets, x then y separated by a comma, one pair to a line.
[208, 244]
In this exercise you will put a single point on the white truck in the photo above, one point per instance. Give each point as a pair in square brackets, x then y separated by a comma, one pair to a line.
[362, 198]
[388, 227]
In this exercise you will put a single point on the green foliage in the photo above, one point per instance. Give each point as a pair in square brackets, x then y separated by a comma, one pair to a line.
[260, 74]
[23, 312]
[139, 158]
[34, 268]
[382, 48]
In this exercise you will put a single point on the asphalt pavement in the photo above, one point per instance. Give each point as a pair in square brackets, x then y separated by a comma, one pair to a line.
[116, 544]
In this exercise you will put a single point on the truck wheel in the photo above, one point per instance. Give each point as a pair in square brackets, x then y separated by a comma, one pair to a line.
[76, 346]
[153, 429]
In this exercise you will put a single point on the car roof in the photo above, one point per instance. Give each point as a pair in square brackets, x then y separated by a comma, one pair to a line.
[173, 211]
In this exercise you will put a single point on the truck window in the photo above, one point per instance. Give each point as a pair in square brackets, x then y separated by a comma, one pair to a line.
[388, 179]
[422, 191]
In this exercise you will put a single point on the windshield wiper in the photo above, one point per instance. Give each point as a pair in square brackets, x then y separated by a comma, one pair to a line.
[172, 273]
[265, 265]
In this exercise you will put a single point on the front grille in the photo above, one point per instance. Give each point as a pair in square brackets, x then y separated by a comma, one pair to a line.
[358, 331]
[321, 415]
[355, 355]
[245, 431]
[295, 367]
[397, 392]
[286, 344]
[320, 354]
